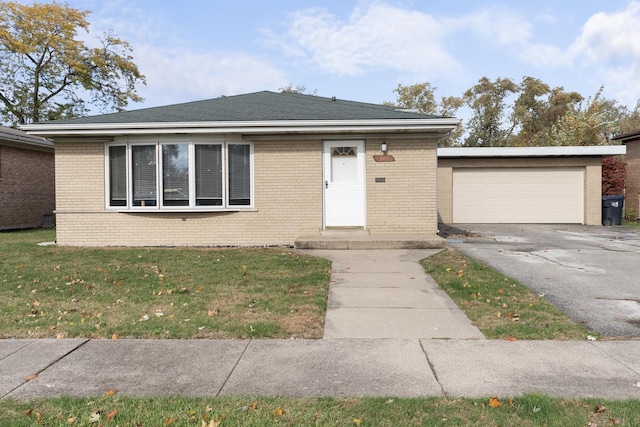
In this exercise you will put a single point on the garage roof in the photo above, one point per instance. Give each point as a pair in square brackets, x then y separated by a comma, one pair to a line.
[600, 150]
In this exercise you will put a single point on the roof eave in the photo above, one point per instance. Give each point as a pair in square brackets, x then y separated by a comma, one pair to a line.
[600, 150]
[25, 141]
[440, 125]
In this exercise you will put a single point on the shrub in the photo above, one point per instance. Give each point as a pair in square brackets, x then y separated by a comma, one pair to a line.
[614, 173]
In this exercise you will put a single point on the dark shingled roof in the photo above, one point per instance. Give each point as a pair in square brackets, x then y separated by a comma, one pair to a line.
[254, 107]
[18, 138]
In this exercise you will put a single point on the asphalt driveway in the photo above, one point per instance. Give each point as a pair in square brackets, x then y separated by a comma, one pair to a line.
[591, 273]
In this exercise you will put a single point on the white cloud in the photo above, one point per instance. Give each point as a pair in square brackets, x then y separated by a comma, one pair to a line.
[176, 76]
[379, 37]
[608, 47]
[608, 37]
[545, 55]
[497, 26]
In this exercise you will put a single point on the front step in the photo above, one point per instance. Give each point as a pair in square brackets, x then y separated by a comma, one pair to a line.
[370, 241]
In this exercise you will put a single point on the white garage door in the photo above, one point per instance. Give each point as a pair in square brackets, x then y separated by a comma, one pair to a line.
[518, 195]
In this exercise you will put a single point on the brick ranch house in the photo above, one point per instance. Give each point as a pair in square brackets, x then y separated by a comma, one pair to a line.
[266, 168]
[632, 185]
[256, 169]
[27, 188]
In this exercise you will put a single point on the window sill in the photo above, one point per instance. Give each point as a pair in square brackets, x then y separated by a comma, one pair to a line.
[181, 211]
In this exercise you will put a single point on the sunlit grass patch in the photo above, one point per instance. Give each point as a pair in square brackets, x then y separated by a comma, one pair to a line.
[501, 307]
[51, 291]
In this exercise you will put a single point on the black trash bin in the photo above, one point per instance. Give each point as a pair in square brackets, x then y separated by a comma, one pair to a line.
[612, 207]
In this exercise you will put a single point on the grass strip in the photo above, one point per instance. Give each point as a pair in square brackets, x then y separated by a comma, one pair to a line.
[501, 307]
[66, 292]
[527, 410]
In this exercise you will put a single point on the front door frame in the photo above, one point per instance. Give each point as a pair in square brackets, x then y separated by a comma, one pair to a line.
[358, 220]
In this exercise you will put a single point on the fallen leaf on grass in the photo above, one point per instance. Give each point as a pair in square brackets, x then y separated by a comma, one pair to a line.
[111, 414]
[357, 421]
[212, 423]
[110, 392]
[95, 416]
[494, 402]
[278, 412]
[600, 409]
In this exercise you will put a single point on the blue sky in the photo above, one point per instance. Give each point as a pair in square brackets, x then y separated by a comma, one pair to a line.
[361, 50]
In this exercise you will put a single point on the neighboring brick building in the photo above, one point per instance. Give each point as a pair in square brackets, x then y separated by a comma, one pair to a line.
[632, 186]
[27, 180]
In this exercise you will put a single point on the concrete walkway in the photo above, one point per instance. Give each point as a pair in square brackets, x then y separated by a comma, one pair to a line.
[387, 294]
[328, 367]
[437, 352]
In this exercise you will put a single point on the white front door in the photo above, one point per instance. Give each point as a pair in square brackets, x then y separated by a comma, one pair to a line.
[344, 184]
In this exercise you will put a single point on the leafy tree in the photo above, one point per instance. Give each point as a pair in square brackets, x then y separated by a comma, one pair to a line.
[593, 122]
[614, 173]
[47, 73]
[629, 120]
[301, 89]
[528, 110]
[421, 97]
[488, 125]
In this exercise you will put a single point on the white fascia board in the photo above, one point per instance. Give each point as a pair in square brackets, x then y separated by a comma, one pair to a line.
[599, 150]
[266, 127]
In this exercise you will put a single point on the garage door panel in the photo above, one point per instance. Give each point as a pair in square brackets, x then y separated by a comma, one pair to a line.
[518, 195]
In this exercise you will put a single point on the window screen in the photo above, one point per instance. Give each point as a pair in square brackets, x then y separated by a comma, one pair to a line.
[239, 174]
[144, 175]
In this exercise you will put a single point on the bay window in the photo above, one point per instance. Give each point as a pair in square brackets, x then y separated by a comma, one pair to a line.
[178, 173]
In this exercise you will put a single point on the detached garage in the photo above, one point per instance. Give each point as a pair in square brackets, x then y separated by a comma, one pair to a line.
[521, 185]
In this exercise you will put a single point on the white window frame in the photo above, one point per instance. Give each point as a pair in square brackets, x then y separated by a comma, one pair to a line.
[191, 140]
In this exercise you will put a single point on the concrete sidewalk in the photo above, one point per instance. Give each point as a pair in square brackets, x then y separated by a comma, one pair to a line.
[387, 294]
[328, 367]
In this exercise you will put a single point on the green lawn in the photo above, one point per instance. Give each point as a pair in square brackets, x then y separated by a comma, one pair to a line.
[51, 291]
[529, 410]
[499, 306]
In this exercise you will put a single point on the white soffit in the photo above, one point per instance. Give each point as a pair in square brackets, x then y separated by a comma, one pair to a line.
[440, 126]
[599, 150]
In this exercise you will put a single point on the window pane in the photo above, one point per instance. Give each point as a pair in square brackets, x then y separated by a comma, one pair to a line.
[239, 174]
[144, 175]
[118, 176]
[208, 175]
[344, 164]
[175, 174]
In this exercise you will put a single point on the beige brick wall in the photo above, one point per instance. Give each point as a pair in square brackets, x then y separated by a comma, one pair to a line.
[592, 190]
[405, 202]
[288, 198]
[27, 188]
[288, 203]
[632, 187]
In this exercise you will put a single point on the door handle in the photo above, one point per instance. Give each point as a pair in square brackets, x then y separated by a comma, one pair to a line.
[326, 184]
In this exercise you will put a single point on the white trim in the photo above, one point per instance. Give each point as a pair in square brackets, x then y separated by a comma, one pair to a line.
[158, 141]
[600, 150]
[437, 126]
